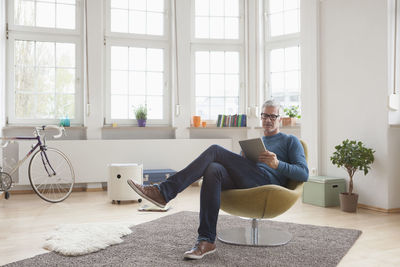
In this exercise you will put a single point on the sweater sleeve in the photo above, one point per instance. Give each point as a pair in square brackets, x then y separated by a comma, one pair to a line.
[296, 168]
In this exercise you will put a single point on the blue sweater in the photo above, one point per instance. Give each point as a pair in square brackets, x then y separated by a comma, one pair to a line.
[292, 161]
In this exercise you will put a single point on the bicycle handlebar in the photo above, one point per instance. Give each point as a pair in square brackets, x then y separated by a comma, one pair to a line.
[4, 145]
[58, 128]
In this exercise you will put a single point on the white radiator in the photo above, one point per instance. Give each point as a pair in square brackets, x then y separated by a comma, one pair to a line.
[91, 157]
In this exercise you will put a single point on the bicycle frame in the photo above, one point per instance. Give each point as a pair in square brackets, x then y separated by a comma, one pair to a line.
[38, 144]
[44, 185]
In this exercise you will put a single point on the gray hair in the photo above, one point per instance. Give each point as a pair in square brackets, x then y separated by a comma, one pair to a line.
[271, 103]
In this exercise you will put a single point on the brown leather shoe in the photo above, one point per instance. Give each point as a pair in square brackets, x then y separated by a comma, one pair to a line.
[199, 250]
[149, 192]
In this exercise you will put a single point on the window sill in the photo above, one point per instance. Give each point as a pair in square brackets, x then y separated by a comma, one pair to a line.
[133, 127]
[74, 132]
[10, 127]
[213, 127]
[136, 132]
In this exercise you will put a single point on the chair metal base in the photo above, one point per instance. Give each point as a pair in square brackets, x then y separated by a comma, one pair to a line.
[254, 236]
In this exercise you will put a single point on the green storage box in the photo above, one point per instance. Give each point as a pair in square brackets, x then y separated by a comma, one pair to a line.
[323, 191]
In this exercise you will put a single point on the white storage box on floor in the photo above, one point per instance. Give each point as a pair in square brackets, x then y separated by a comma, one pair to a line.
[117, 186]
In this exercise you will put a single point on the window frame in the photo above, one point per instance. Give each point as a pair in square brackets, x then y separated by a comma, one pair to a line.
[213, 44]
[43, 34]
[238, 41]
[276, 42]
[138, 40]
[32, 29]
[224, 48]
[283, 37]
[166, 90]
[167, 23]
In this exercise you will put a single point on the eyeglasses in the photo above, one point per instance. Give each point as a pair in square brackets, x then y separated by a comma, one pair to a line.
[272, 117]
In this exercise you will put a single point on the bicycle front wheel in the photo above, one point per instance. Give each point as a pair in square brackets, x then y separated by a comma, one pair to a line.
[51, 175]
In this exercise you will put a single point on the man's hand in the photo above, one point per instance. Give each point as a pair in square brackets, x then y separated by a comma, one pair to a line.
[269, 158]
[242, 154]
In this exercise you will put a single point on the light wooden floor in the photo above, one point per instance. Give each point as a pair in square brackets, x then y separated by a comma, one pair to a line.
[26, 219]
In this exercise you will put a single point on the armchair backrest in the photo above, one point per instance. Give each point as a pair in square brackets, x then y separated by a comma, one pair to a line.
[292, 184]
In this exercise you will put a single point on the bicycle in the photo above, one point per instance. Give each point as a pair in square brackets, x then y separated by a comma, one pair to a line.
[50, 172]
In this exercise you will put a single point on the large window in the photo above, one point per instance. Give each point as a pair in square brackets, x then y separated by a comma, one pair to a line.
[137, 45]
[137, 78]
[44, 46]
[282, 42]
[217, 19]
[217, 83]
[44, 80]
[59, 14]
[284, 75]
[138, 16]
[218, 46]
[284, 17]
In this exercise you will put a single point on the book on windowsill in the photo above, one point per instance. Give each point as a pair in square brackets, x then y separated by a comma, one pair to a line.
[237, 120]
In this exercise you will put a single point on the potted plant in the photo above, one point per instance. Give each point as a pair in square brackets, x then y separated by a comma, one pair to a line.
[292, 114]
[141, 115]
[352, 156]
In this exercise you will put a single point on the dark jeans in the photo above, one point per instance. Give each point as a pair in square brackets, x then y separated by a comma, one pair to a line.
[221, 170]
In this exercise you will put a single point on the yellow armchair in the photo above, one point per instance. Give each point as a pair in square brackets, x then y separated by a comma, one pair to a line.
[262, 202]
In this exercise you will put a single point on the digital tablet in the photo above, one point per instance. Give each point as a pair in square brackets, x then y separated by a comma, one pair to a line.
[252, 148]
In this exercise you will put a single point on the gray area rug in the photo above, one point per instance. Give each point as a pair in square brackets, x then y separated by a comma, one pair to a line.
[162, 242]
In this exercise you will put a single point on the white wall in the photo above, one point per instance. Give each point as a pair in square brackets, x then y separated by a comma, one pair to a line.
[95, 111]
[394, 167]
[182, 120]
[2, 68]
[394, 113]
[394, 116]
[353, 93]
[90, 158]
[310, 122]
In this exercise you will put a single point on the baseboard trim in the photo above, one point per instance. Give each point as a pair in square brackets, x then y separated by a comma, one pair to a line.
[30, 191]
[94, 189]
[21, 192]
[368, 207]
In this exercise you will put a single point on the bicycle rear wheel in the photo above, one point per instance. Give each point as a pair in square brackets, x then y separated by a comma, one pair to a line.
[51, 175]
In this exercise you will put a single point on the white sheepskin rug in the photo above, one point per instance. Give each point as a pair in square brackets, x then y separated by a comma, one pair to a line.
[79, 239]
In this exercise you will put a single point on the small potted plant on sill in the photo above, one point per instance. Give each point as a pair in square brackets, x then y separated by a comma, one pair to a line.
[352, 156]
[292, 114]
[141, 115]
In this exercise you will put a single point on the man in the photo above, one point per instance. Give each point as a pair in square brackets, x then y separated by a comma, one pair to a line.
[222, 170]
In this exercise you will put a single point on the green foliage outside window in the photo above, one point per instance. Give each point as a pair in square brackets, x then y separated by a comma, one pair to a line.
[292, 112]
